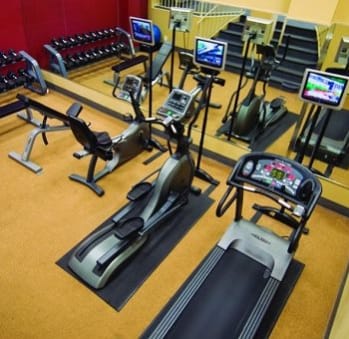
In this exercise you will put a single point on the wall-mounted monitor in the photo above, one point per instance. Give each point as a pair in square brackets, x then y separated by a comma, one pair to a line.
[342, 56]
[324, 89]
[210, 53]
[180, 19]
[142, 31]
[258, 30]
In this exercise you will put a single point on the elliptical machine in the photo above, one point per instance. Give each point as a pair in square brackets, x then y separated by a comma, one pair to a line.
[98, 256]
[249, 120]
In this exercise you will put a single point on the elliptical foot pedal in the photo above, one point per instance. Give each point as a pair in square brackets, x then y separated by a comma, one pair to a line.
[128, 227]
[277, 103]
[139, 191]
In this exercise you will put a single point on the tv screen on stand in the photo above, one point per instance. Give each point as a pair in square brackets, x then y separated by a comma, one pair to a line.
[142, 31]
[324, 89]
[210, 53]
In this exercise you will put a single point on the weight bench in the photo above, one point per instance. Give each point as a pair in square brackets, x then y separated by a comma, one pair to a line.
[99, 145]
[126, 64]
[43, 128]
[155, 74]
[18, 107]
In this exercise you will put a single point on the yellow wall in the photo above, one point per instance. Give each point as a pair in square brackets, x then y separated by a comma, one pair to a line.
[320, 12]
[273, 6]
[341, 14]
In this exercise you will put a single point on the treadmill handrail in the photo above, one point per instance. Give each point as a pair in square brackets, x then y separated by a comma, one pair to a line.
[223, 204]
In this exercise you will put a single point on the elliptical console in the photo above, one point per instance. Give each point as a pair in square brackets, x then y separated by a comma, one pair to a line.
[179, 105]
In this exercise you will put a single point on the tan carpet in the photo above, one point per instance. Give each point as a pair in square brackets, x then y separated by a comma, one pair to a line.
[43, 216]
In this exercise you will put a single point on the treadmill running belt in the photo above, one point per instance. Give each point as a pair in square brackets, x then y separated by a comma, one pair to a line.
[338, 127]
[228, 300]
[225, 300]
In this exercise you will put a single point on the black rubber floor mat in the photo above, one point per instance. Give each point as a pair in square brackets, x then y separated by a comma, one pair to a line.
[131, 276]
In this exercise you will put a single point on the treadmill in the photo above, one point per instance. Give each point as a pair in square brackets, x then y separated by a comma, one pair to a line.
[229, 294]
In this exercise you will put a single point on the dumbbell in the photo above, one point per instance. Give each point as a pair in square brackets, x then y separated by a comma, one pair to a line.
[100, 34]
[7, 83]
[81, 58]
[55, 43]
[3, 85]
[14, 56]
[4, 59]
[72, 61]
[87, 37]
[26, 75]
[65, 42]
[17, 81]
[107, 50]
[80, 39]
[72, 41]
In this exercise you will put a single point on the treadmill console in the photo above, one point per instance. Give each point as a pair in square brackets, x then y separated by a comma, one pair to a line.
[178, 105]
[279, 175]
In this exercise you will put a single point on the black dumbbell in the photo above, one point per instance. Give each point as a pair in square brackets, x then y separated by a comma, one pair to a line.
[12, 77]
[21, 77]
[72, 60]
[14, 56]
[69, 64]
[5, 60]
[3, 85]
[55, 43]
[28, 78]
[65, 42]
[106, 33]
[100, 34]
[107, 51]
[81, 58]
[94, 36]
[80, 39]
[7, 83]
[72, 41]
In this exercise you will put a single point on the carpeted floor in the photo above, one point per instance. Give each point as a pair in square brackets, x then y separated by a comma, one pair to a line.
[43, 216]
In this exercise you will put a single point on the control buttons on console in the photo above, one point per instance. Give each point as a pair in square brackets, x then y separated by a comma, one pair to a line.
[248, 168]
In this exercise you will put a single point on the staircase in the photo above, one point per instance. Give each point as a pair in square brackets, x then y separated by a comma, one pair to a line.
[302, 52]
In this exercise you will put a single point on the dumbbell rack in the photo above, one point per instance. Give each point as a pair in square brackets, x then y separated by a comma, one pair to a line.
[67, 53]
[19, 69]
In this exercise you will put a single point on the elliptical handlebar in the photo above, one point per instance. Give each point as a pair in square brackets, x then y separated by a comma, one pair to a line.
[136, 107]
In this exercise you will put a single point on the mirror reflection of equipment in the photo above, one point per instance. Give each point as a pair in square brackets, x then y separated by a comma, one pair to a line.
[325, 132]
[180, 20]
[249, 119]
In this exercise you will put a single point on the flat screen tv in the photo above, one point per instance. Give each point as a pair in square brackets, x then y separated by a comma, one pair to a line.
[142, 31]
[324, 89]
[210, 53]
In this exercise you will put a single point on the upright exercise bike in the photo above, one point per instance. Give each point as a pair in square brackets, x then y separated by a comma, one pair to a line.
[150, 203]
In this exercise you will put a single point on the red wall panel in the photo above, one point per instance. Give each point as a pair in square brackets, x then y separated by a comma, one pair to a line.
[29, 24]
[11, 26]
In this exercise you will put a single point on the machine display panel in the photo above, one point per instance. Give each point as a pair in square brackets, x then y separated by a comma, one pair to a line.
[210, 53]
[323, 88]
[142, 31]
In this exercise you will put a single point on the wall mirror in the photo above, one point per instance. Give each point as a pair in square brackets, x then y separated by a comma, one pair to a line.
[97, 77]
